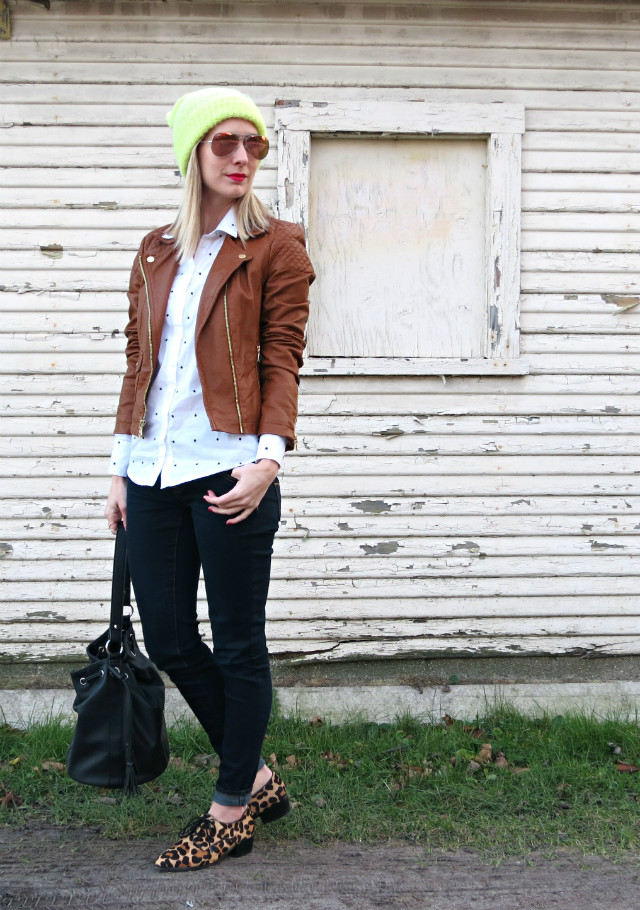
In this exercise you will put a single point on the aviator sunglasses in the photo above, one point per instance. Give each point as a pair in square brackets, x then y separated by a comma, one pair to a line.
[224, 144]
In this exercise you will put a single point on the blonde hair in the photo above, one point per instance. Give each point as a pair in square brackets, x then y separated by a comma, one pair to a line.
[252, 216]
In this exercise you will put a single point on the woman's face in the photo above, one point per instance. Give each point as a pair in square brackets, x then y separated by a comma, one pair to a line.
[231, 177]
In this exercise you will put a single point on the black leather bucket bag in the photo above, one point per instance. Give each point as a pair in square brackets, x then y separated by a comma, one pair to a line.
[120, 739]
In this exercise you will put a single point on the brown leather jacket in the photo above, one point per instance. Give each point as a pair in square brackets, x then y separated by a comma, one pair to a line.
[249, 331]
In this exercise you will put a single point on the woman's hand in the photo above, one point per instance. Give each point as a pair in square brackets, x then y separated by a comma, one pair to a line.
[116, 507]
[253, 482]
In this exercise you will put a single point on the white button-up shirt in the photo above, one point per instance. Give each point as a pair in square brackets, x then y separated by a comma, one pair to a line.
[178, 443]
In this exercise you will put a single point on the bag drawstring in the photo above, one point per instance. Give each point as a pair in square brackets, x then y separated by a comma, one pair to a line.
[129, 786]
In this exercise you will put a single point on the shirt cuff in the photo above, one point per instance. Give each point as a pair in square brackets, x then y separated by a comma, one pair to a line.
[273, 447]
[119, 462]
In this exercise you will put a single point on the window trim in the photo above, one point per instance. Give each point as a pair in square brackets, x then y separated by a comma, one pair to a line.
[502, 126]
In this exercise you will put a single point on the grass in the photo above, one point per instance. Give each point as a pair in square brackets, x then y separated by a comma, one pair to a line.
[561, 785]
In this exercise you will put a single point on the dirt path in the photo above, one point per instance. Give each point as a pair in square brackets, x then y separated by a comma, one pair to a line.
[57, 868]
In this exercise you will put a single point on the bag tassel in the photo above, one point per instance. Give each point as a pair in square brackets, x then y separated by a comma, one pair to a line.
[129, 785]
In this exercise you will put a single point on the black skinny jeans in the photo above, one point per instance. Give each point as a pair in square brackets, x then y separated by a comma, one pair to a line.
[170, 534]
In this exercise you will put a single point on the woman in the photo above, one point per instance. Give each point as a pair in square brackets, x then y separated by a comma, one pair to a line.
[218, 307]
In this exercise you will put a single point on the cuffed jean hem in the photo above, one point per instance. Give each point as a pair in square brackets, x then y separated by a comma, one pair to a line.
[228, 799]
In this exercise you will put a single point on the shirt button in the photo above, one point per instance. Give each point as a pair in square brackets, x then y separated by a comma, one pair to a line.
[151, 258]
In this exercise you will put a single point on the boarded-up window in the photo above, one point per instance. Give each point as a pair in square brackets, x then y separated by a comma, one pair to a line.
[396, 232]
[412, 213]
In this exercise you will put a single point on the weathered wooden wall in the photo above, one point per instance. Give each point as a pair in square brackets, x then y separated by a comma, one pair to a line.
[423, 515]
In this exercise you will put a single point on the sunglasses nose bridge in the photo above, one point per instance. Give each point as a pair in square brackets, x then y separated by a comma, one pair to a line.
[241, 150]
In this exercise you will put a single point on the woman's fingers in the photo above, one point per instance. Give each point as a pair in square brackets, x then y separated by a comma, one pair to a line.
[116, 505]
[253, 482]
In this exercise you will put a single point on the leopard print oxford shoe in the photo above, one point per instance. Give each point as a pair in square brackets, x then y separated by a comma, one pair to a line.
[205, 841]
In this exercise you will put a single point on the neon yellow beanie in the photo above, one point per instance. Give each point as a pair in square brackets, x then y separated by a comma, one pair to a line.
[195, 113]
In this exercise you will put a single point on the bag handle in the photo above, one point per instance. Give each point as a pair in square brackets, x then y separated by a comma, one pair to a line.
[120, 591]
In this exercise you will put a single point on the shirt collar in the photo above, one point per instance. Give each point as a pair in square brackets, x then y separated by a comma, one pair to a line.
[227, 225]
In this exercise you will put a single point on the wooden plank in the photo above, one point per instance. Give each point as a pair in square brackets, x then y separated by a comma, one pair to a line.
[41, 539]
[411, 54]
[610, 323]
[417, 571]
[386, 408]
[366, 486]
[60, 318]
[409, 466]
[53, 516]
[579, 241]
[576, 181]
[383, 589]
[60, 443]
[201, 24]
[318, 72]
[597, 16]
[585, 201]
[360, 609]
[379, 546]
[322, 650]
[364, 391]
[367, 631]
[591, 162]
[161, 97]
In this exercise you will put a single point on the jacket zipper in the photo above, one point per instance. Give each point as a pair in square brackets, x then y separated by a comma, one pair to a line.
[143, 419]
[233, 366]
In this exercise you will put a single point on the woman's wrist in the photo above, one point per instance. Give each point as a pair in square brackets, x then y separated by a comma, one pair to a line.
[269, 467]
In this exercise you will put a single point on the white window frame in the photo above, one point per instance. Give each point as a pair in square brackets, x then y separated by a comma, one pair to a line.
[501, 125]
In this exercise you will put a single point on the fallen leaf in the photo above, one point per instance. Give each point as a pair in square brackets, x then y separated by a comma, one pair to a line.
[174, 800]
[273, 761]
[473, 766]
[316, 721]
[321, 803]
[292, 761]
[485, 754]
[106, 800]
[9, 800]
[336, 760]
[295, 805]
[414, 770]
[448, 720]
[518, 770]
[625, 768]
[476, 732]
[615, 748]
[17, 760]
[175, 760]
[501, 761]
[52, 766]
[206, 761]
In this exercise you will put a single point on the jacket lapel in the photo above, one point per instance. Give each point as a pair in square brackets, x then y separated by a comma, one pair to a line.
[231, 256]
[160, 266]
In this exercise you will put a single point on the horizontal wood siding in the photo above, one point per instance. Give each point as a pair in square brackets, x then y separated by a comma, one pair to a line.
[421, 514]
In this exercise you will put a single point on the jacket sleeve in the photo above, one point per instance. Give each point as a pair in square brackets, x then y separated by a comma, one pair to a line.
[285, 308]
[127, 393]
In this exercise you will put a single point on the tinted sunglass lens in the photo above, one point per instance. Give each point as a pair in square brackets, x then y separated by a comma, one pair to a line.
[221, 146]
[258, 146]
